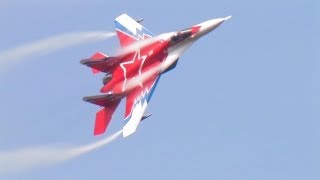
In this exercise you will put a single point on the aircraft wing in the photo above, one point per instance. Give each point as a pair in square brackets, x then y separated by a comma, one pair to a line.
[136, 104]
[129, 30]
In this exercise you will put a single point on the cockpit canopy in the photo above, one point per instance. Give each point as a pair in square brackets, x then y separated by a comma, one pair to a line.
[180, 36]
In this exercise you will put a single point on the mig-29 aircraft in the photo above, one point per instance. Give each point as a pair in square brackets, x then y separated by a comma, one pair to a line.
[135, 72]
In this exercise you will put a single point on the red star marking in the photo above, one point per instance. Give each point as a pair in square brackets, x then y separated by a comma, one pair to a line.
[132, 65]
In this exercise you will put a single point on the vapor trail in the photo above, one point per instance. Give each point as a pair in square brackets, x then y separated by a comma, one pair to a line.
[50, 44]
[41, 156]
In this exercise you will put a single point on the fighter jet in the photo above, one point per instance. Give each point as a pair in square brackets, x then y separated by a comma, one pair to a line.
[134, 73]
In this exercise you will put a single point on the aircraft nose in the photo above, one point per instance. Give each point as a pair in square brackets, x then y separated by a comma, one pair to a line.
[210, 25]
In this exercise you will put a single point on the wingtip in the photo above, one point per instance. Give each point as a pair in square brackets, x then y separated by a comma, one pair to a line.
[126, 134]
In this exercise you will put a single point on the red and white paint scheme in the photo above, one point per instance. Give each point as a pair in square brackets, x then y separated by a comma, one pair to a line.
[135, 72]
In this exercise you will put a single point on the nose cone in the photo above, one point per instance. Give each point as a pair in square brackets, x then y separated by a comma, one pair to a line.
[210, 25]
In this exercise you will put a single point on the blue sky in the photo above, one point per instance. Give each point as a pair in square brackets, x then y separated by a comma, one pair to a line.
[243, 102]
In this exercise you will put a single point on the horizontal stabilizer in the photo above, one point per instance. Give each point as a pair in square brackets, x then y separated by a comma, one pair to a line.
[96, 57]
[109, 102]
[101, 63]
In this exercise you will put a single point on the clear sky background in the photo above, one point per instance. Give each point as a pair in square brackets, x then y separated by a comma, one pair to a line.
[243, 102]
